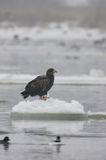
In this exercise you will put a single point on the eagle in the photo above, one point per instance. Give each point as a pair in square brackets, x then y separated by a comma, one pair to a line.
[40, 85]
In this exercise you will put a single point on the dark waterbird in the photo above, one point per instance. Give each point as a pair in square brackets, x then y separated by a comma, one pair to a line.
[5, 140]
[40, 85]
[58, 139]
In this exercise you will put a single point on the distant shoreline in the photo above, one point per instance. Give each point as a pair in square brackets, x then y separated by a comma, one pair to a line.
[29, 14]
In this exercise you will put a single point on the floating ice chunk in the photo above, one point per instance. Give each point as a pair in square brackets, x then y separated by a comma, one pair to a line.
[49, 106]
[96, 73]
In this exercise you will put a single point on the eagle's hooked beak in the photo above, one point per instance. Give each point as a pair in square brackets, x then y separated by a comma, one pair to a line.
[55, 71]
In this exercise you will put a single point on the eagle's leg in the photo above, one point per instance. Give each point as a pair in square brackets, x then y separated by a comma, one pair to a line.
[41, 97]
[44, 97]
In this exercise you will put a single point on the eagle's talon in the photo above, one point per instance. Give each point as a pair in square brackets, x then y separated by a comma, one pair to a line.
[44, 98]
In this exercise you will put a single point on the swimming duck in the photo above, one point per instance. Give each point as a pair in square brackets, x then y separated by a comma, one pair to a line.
[5, 140]
[58, 139]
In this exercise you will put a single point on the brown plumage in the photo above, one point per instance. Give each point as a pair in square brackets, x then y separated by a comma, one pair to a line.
[40, 85]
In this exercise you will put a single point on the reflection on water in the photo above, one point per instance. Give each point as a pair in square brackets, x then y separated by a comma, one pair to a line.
[58, 147]
[48, 127]
[6, 146]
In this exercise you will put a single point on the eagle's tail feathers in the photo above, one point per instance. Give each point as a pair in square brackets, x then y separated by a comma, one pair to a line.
[24, 94]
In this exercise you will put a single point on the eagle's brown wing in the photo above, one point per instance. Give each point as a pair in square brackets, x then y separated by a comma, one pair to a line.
[38, 84]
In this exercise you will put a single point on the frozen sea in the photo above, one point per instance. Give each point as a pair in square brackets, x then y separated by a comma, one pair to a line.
[76, 109]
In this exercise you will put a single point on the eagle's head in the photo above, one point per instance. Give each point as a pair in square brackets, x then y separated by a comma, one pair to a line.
[50, 72]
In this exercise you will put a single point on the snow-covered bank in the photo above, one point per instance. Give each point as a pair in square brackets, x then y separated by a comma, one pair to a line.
[95, 77]
[50, 31]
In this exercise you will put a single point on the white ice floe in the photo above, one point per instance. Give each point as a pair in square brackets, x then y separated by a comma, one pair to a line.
[96, 73]
[53, 109]
[53, 106]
